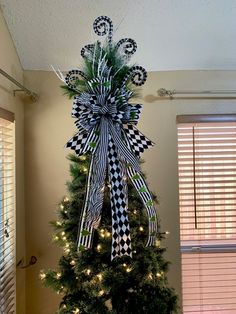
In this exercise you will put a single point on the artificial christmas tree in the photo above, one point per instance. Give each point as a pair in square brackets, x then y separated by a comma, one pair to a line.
[113, 261]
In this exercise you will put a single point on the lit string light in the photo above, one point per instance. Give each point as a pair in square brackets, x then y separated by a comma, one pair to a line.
[42, 275]
[101, 292]
[58, 275]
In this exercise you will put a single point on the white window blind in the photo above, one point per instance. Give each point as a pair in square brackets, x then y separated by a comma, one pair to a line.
[207, 201]
[7, 213]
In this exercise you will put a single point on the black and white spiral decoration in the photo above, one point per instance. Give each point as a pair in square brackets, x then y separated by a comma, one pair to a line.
[87, 50]
[103, 26]
[72, 78]
[128, 46]
[137, 74]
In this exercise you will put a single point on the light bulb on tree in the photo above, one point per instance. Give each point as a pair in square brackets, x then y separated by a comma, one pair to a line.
[150, 276]
[158, 243]
[108, 234]
[85, 169]
[58, 275]
[66, 199]
[73, 263]
[101, 292]
[42, 276]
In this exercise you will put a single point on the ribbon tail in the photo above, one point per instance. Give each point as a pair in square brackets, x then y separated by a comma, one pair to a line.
[121, 241]
[91, 214]
[140, 185]
[86, 230]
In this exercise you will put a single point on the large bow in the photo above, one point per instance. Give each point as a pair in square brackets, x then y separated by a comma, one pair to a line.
[106, 129]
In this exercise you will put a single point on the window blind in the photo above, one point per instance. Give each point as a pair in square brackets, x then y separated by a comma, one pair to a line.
[207, 202]
[7, 214]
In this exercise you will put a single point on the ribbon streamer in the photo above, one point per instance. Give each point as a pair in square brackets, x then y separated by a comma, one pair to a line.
[106, 124]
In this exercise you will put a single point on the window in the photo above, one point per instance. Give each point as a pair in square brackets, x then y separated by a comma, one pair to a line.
[207, 201]
[7, 213]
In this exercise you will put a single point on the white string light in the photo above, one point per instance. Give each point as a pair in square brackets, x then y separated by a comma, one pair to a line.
[101, 292]
[150, 276]
[42, 275]
[158, 243]
[58, 275]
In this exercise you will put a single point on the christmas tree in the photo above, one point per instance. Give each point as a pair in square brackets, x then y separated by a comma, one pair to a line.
[113, 260]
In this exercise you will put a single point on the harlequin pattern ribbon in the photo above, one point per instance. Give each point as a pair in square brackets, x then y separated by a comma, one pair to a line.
[106, 124]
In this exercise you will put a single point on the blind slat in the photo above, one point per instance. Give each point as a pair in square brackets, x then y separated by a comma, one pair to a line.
[207, 202]
[7, 216]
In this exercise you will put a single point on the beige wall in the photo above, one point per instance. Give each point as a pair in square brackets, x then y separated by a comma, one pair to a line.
[47, 128]
[9, 62]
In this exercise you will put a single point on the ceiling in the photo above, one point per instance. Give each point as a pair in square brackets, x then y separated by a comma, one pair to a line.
[171, 34]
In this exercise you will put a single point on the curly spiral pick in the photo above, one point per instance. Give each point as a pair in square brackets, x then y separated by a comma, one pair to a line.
[103, 26]
[72, 77]
[137, 74]
[128, 46]
[87, 50]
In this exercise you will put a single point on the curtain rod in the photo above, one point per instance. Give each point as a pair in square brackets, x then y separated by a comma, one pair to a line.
[204, 94]
[33, 95]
